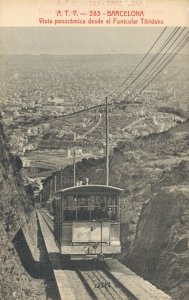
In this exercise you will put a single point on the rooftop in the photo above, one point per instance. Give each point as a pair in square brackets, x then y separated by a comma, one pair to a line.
[90, 189]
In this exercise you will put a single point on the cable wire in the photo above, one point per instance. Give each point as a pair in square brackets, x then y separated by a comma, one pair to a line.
[139, 63]
[151, 61]
[166, 58]
[162, 68]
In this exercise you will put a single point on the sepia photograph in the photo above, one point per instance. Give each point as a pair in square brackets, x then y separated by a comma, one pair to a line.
[94, 160]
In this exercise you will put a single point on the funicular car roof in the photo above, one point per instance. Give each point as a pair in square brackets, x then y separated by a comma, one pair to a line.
[90, 189]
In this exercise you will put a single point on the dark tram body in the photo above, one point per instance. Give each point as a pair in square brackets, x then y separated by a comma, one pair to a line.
[87, 221]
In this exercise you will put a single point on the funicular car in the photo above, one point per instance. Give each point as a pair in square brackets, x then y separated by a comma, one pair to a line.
[87, 221]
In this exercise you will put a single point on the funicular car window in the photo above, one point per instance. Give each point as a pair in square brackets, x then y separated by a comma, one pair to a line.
[99, 208]
[83, 210]
[104, 207]
[92, 203]
[93, 207]
[70, 205]
[112, 207]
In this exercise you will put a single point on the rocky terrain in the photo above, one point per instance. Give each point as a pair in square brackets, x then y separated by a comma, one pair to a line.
[15, 212]
[160, 251]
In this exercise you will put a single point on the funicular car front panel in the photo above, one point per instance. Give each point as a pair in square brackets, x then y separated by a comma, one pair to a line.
[87, 220]
[91, 232]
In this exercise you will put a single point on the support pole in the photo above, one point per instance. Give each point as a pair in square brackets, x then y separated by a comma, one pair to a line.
[101, 241]
[55, 183]
[107, 144]
[74, 171]
[61, 179]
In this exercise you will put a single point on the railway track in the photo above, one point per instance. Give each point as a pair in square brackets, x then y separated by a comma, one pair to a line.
[48, 219]
[100, 284]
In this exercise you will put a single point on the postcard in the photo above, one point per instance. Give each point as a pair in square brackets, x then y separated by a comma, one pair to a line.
[94, 165]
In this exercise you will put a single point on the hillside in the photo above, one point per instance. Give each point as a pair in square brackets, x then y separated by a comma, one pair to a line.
[15, 212]
[160, 251]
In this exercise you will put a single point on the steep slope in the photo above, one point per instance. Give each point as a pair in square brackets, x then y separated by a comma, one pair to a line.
[160, 251]
[15, 209]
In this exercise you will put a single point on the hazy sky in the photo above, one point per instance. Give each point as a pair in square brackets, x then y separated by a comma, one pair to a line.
[78, 40]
